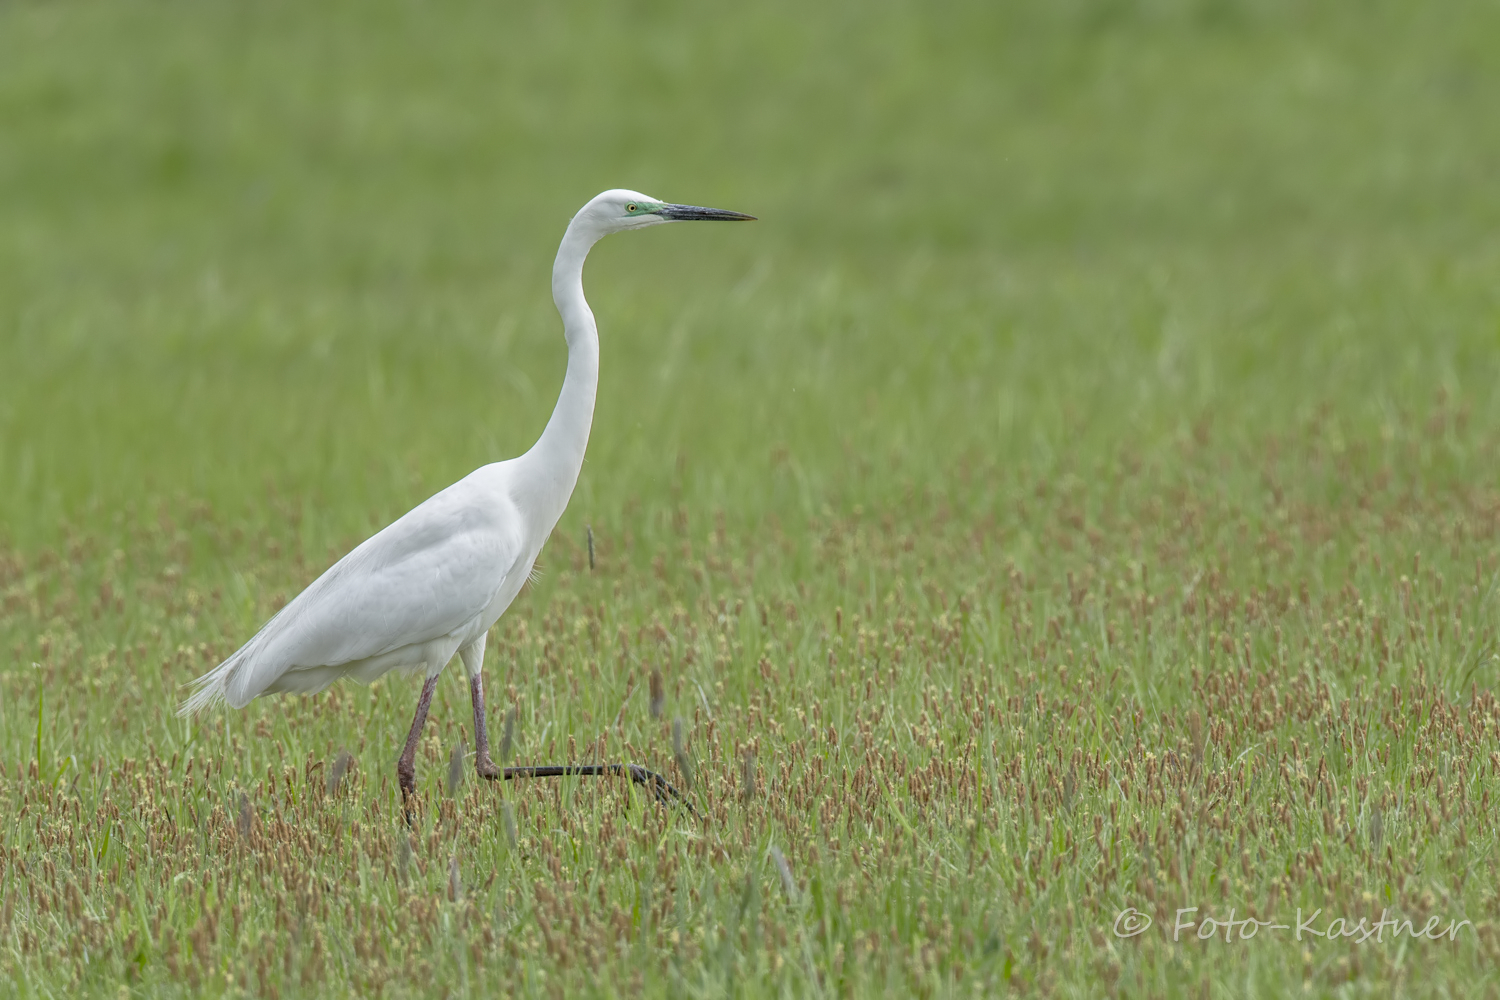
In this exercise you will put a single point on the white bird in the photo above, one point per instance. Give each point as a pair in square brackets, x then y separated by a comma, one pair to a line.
[433, 582]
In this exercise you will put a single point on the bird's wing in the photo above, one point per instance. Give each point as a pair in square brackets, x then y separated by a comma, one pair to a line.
[420, 578]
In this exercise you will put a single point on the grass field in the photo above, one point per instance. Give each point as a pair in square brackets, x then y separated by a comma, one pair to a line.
[1078, 492]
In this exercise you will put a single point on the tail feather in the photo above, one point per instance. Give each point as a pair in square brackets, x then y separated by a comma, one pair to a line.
[208, 690]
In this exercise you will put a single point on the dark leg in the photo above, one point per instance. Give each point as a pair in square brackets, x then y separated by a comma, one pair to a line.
[482, 762]
[661, 789]
[406, 765]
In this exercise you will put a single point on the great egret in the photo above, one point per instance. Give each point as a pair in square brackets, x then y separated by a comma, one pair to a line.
[434, 581]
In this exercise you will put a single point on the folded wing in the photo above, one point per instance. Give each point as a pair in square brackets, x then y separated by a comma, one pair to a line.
[427, 575]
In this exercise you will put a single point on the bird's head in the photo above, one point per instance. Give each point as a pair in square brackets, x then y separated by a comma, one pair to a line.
[618, 210]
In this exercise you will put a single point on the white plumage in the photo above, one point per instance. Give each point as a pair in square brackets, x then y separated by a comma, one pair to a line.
[408, 598]
[433, 582]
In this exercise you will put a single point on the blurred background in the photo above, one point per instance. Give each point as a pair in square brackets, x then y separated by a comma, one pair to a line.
[302, 250]
[1084, 350]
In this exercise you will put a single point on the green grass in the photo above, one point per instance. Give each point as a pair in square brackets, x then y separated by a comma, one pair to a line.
[1077, 492]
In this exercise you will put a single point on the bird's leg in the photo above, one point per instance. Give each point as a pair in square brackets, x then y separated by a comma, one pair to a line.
[482, 762]
[473, 657]
[660, 788]
[406, 765]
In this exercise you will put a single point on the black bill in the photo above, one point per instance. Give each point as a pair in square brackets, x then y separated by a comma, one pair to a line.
[688, 213]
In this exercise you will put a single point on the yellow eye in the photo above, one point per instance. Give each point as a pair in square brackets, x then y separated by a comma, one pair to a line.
[630, 207]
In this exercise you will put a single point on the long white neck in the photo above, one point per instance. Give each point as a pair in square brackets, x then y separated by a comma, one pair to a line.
[554, 462]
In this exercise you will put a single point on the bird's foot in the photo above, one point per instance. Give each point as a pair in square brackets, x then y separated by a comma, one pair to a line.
[661, 789]
[487, 768]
